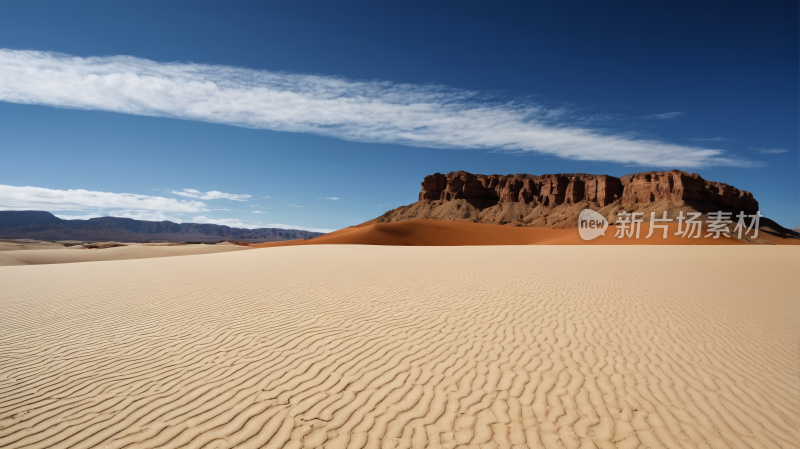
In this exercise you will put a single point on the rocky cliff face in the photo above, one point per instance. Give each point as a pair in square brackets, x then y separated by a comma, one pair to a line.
[681, 188]
[545, 190]
[677, 187]
[556, 200]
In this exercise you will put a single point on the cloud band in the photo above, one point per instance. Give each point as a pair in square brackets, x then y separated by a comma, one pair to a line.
[365, 111]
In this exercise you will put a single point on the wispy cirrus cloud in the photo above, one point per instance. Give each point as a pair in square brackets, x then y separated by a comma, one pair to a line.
[329, 198]
[772, 151]
[39, 198]
[210, 195]
[294, 205]
[664, 116]
[364, 111]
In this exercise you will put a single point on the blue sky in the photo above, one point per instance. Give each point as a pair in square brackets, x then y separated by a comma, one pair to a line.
[259, 114]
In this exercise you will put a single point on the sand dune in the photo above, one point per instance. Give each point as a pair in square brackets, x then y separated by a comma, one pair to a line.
[456, 233]
[27, 244]
[67, 255]
[340, 346]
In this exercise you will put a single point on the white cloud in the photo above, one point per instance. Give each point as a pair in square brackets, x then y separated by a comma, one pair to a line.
[328, 198]
[38, 198]
[232, 222]
[364, 111]
[145, 215]
[773, 151]
[664, 116]
[210, 195]
[79, 217]
[236, 223]
[299, 207]
[87, 204]
[300, 228]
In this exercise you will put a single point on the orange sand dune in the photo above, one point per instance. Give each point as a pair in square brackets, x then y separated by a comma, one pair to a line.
[456, 233]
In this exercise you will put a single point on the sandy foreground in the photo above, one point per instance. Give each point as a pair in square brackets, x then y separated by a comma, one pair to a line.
[376, 346]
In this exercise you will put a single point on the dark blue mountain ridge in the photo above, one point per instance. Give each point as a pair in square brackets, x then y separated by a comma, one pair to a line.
[41, 225]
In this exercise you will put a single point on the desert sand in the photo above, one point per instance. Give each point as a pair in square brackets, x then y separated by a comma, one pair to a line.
[44, 255]
[389, 346]
[27, 244]
[459, 233]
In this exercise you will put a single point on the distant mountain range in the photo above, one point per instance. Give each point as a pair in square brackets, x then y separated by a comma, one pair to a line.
[41, 225]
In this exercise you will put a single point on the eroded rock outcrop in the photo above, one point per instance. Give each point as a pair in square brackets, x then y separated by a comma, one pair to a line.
[556, 200]
[681, 188]
[548, 190]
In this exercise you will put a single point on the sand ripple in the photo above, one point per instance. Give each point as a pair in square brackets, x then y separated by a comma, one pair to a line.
[366, 346]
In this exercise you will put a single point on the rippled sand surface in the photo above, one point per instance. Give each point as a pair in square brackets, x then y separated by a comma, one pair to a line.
[69, 255]
[370, 346]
